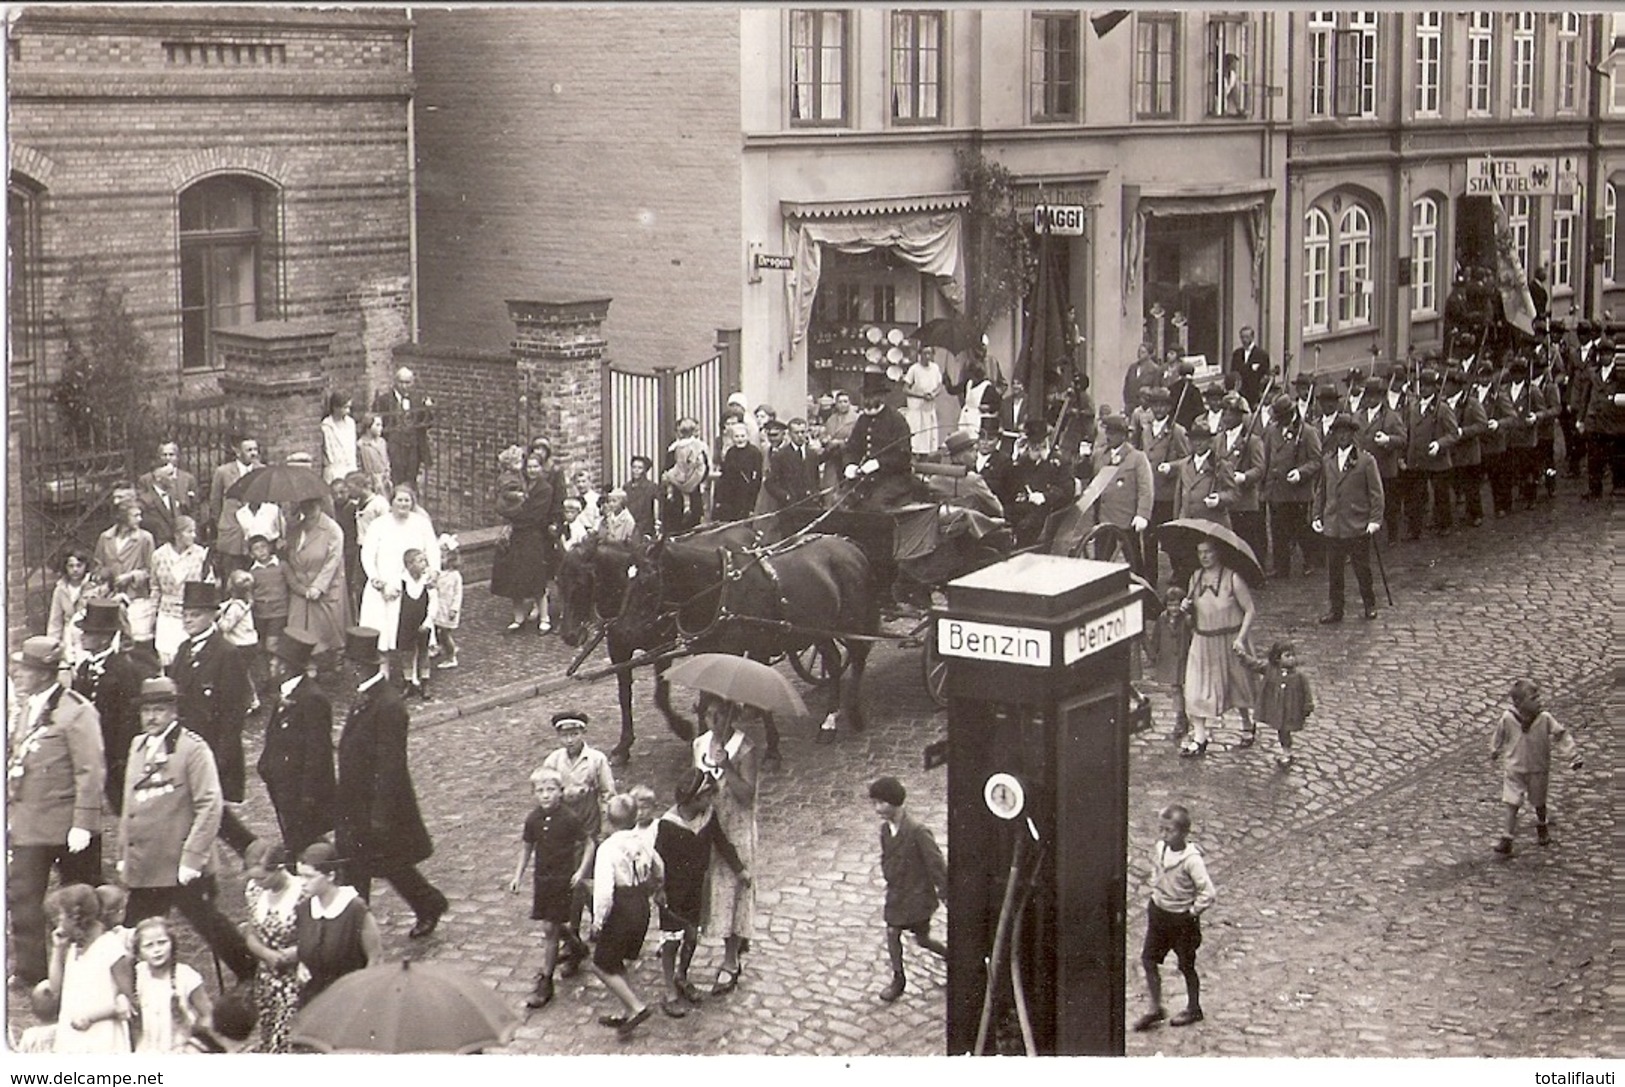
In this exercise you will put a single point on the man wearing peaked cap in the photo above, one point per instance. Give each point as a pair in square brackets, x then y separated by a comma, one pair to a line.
[212, 679]
[54, 775]
[167, 829]
[297, 761]
[110, 679]
[1347, 512]
[378, 824]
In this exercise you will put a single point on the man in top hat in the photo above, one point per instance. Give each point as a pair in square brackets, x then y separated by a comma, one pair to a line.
[1121, 491]
[54, 776]
[1467, 456]
[297, 762]
[1347, 512]
[991, 463]
[1382, 434]
[211, 676]
[1291, 467]
[1039, 484]
[1242, 445]
[1600, 418]
[167, 829]
[878, 455]
[110, 680]
[970, 490]
[1431, 429]
[379, 827]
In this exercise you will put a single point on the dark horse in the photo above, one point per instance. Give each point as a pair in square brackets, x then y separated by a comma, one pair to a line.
[714, 591]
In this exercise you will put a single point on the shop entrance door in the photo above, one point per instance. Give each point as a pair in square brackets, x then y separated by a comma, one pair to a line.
[1185, 262]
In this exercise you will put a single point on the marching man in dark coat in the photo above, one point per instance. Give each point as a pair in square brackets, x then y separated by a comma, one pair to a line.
[54, 767]
[111, 680]
[380, 830]
[211, 677]
[168, 827]
[297, 763]
[1347, 511]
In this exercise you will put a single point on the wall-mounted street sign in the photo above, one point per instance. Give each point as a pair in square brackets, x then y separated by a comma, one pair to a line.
[771, 263]
[1065, 220]
[993, 642]
[1489, 176]
[1568, 175]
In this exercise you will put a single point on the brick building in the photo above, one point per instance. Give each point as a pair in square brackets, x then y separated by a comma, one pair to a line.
[222, 166]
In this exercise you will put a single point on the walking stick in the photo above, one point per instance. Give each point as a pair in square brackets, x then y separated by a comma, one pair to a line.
[1377, 547]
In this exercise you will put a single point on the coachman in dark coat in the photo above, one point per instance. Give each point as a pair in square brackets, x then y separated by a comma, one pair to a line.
[297, 763]
[111, 681]
[211, 678]
[379, 828]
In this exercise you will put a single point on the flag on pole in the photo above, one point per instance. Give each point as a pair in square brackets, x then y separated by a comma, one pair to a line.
[1516, 301]
[1106, 22]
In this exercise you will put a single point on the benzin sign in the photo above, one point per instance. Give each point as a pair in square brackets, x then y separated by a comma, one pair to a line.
[993, 642]
[1106, 630]
[1511, 177]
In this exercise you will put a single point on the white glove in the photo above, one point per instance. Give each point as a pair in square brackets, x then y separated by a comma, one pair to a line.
[1495, 424]
[1211, 501]
[1381, 438]
[1139, 524]
[1318, 526]
[1037, 498]
[1086, 449]
[851, 471]
[78, 840]
[1619, 400]
[186, 875]
[1165, 468]
[1433, 449]
[869, 467]
[1373, 528]
[1241, 477]
[1294, 476]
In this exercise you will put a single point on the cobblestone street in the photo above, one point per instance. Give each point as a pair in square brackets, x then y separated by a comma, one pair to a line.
[1361, 912]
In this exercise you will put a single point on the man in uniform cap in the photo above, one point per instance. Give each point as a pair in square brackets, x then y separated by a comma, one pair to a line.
[1382, 434]
[1347, 512]
[1039, 485]
[111, 680]
[379, 826]
[54, 775]
[1431, 431]
[171, 816]
[1291, 468]
[212, 679]
[588, 785]
[297, 762]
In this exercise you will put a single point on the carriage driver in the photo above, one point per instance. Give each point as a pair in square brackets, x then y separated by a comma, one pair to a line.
[878, 458]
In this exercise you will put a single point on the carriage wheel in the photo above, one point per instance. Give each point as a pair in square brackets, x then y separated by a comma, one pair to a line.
[820, 663]
[935, 669]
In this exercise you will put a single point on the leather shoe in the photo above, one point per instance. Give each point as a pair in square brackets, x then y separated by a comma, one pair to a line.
[425, 925]
[543, 996]
[1149, 1020]
[891, 992]
[1186, 1017]
[1371, 612]
[625, 1029]
[1329, 618]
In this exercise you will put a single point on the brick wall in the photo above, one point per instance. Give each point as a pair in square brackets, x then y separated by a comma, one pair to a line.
[112, 121]
[585, 152]
[477, 412]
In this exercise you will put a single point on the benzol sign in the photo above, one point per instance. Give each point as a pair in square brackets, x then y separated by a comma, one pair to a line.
[1106, 630]
[993, 642]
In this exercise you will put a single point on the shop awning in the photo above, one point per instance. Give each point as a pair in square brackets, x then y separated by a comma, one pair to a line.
[886, 205]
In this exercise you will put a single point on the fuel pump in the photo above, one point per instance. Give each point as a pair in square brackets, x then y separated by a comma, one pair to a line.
[1037, 652]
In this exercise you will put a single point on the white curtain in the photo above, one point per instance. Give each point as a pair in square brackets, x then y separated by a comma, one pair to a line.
[929, 242]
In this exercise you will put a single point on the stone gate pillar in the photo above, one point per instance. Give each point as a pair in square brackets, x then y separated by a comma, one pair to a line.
[559, 350]
[276, 380]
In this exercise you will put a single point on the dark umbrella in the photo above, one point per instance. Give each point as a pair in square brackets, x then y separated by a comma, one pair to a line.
[279, 483]
[405, 1007]
[1233, 550]
[954, 333]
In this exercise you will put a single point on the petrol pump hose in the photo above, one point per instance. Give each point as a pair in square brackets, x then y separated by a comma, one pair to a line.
[1017, 986]
[999, 933]
[1009, 924]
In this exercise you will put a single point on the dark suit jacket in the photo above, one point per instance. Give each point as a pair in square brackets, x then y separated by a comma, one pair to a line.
[1387, 421]
[185, 490]
[297, 765]
[1193, 487]
[1468, 451]
[792, 475]
[1285, 448]
[406, 434]
[1172, 446]
[214, 694]
[1436, 424]
[916, 875]
[228, 537]
[1347, 501]
[113, 693]
[378, 823]
[159, 519]
[738, 483]
[1252, 370]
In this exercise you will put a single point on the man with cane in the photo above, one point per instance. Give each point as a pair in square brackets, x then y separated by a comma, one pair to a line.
[1347, 512]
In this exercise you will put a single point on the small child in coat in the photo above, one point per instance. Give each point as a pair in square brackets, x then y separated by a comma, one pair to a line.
[1525, 739]
[1170, 642]
[685, 838]
[685, 480]
[916, 878]
[1286, 698]
[449, 602]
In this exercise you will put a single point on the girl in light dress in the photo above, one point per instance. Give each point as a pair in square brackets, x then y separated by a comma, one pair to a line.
[170, 999]
[173, 565]
[448, 602]
[90, 973]
[73, 587]
[339, 457]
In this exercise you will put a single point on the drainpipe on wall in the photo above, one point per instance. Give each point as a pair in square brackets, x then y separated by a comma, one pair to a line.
[1287, 262]
[1593, 270]
[412, 181]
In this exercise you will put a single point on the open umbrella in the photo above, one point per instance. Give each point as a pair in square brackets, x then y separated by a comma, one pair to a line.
[739, 679]
[279, 483]
[953, 333]
[405, 1007]
[1233, 550]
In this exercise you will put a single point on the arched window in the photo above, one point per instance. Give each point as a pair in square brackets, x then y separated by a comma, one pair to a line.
[1610, 216]
[227, 227]
[1425, 257]
[1317, 260]
[1354, 267]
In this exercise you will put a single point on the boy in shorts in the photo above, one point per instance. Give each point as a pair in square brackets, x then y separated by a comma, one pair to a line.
[1180, 893]
[1525, 739]
[563, 852]
[626, 872]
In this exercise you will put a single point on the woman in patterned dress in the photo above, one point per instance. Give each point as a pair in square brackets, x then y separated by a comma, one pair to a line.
[273, 897]
[1215, 678]
[730, 760]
